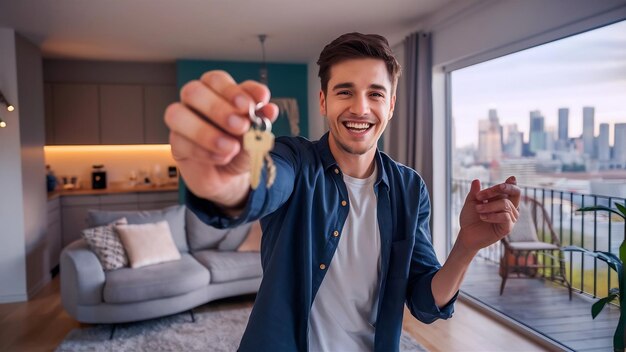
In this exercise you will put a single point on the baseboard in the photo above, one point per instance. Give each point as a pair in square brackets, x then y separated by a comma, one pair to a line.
[32, 291]
[13, 298]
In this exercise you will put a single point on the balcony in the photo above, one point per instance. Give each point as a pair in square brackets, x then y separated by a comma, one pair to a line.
[541, 305]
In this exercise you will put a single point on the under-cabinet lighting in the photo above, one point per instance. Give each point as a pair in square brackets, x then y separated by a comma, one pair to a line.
[107, 148]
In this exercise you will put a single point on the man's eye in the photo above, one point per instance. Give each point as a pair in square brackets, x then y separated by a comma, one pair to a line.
[343, 92]
[377, 95]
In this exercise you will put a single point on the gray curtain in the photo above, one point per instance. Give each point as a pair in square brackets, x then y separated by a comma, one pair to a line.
[410, 135]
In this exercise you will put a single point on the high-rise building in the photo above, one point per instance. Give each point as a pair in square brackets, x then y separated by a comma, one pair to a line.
[536, 138]
[548, 137]
[514, 144]
[619, 146]
[563, 137]
[563, 124]
[588, 131]
[490, 138]
[604, 151]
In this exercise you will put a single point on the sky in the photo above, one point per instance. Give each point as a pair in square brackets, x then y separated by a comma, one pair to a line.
[588, 69]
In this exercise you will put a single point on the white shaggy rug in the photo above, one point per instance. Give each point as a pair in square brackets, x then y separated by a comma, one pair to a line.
[215, 329]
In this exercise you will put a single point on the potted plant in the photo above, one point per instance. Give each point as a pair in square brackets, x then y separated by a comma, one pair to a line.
[616, 263]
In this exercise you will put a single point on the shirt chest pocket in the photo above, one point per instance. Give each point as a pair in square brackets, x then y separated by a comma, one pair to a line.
[400, 259]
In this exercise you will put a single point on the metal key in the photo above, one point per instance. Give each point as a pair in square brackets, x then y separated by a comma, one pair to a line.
[258, 142]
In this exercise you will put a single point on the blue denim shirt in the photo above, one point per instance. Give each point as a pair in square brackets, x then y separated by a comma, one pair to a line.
[299, 216]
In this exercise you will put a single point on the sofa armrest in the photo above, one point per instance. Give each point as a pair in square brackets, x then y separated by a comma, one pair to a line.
[82, 276]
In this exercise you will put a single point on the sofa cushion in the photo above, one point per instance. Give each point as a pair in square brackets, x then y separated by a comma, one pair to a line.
[234, 237]
[155, 281]
[105, 243]
[174, 215]
[230, 266]
[200, 235]
[148, 244]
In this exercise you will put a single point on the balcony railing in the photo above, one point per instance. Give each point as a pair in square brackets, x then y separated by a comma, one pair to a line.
[591, 230]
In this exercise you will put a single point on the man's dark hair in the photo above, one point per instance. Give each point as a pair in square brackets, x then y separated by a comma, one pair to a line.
[357, 46]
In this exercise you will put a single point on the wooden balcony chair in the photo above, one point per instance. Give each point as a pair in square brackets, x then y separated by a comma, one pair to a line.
[525, 254]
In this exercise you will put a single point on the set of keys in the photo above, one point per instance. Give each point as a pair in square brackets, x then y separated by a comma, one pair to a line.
[258, 142]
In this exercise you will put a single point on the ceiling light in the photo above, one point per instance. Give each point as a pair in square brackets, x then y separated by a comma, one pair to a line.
[2, 123]
[4, 101]
[263, 71]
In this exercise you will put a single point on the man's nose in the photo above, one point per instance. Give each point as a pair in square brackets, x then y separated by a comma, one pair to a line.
[360, 106]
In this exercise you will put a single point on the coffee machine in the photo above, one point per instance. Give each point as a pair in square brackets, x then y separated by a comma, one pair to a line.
[98, 177]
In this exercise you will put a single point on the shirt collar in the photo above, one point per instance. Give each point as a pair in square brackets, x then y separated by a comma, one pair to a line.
[328, 160]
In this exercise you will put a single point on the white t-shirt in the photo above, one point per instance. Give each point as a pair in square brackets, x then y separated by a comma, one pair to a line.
[345, 307]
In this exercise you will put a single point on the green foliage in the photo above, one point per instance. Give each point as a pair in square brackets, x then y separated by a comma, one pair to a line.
[597, 307]
[615, 263]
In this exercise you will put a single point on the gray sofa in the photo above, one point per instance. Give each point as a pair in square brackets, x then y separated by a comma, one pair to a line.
[210, 268]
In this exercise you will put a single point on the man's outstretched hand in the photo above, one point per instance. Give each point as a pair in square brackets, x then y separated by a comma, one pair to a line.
[489, 214]
[206, 129]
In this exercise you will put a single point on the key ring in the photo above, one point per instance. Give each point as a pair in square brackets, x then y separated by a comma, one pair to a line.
[256, 120]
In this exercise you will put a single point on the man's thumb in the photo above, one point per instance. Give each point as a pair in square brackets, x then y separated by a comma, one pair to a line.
[474, 189]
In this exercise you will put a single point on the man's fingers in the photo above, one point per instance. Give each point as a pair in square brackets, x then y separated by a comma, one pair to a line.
[207, 103]
[514, 198]
[497, 218]
[184, 149]
[498, 206]
[474, 189]
[270, 111]
[240, 96]
[512, 180]
[184, 122]
[503, 188]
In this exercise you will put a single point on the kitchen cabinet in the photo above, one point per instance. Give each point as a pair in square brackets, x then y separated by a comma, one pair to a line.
[49, 122]
[119, 202]
[157, 200]
[156, 98]
[53, 234]
[92, 114]
[75, 209]
[75, 114]
[121, 114]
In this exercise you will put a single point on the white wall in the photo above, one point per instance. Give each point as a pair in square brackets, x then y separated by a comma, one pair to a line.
[12, 253]
[490, 29]
[23, 213]
[32, 140]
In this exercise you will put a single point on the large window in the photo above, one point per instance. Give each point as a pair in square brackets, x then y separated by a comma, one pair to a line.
[555, 117]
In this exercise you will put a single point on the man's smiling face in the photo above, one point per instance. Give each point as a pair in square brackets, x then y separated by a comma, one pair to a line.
[358, 105]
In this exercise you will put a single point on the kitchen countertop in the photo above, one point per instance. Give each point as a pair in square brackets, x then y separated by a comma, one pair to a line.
[112, 190]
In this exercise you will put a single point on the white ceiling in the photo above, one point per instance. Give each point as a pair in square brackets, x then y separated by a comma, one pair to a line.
[164, 30]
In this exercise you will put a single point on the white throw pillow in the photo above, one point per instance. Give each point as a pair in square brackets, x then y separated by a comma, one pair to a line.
[148, 244]
[105, 243]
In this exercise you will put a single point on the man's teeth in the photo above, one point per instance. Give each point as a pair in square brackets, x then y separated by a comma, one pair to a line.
[358, 125]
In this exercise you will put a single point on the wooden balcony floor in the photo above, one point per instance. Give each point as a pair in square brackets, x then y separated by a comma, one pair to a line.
[544, 307]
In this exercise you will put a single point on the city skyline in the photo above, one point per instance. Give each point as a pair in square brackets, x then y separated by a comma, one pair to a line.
[497, 142]
[585, 70]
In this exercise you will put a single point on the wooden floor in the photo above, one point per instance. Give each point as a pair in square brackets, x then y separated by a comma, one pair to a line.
[544, 307]
[41, 324]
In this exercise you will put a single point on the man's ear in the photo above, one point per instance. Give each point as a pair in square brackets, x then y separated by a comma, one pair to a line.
[393, 106]
[322, 103]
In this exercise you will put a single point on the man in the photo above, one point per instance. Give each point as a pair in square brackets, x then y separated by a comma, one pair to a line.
[346, 240]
